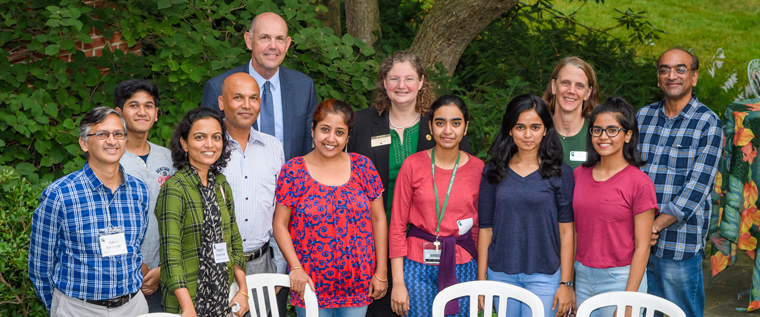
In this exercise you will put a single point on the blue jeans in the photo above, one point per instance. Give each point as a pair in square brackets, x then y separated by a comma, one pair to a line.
[336, 312]
[591, 281]
[543, 285]
[680, 282]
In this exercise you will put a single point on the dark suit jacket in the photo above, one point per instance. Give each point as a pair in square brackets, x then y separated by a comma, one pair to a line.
[299, 100]
[369, 124]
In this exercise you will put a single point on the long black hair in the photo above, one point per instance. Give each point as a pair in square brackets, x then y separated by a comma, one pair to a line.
[179, 156]
[504, 147]
[626, 117]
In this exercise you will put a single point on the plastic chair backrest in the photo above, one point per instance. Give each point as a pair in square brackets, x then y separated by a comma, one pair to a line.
[753, 74]
[270, 280]
[634, 299]
[489, 289]
[159, 315]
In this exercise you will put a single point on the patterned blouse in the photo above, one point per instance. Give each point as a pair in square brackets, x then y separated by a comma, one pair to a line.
[331, 230]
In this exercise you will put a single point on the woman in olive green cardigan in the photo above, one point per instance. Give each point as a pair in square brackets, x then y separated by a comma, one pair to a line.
[196, 216]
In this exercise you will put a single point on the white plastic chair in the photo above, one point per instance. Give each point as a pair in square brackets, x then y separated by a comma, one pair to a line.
[159, 315]
[270, 280]
[634, 299]
[753, 74]
[489, 289]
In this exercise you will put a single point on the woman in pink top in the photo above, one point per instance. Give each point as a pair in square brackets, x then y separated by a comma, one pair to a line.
[436, 198]
[615, 204]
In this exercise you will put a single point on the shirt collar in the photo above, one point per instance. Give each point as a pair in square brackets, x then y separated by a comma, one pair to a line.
[254, 136]
[275, 80]
[686, 112]
[95, 181]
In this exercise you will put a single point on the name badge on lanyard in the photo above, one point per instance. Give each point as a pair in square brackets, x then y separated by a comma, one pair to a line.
[112, 242]
[432, 254]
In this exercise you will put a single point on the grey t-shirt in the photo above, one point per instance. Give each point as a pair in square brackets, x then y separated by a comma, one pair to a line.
[153, 172]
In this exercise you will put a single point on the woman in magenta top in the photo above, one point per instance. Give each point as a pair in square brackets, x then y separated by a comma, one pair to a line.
[435, 252]
[615, 204]
[329, 222]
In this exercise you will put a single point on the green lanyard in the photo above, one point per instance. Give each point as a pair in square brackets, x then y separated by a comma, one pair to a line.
[438, 209]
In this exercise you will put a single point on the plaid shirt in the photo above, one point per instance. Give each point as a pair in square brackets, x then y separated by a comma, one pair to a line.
[180, 225]
[64, 251]
[682, 155]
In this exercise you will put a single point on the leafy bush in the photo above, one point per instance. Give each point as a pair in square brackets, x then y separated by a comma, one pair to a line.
[18, 199]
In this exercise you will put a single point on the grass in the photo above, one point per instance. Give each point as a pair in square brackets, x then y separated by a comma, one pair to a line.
[701, 25]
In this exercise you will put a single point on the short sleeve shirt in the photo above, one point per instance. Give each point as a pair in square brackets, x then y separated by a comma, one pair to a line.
[331, 230]
[604, 214]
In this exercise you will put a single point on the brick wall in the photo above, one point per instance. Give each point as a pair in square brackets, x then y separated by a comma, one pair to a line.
[90, 49]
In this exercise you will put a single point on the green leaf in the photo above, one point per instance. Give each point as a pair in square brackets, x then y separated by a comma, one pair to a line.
[163, 4]
[52, 49]
[348, 39]
[25, 168]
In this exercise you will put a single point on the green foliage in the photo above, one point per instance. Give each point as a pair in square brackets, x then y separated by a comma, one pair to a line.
[18, 199]
[183, 43]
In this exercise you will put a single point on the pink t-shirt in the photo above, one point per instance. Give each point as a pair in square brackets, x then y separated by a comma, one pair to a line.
[414, 203]
[604, 214]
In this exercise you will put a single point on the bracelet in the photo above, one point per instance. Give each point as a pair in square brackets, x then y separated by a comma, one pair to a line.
[377, 278]
[244, 294]
[296, 268]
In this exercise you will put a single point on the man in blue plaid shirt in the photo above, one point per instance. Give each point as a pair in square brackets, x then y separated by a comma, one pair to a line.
[681, 140]
[84, 253]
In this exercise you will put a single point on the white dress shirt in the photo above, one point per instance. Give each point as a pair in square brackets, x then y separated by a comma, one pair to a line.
[253, 177]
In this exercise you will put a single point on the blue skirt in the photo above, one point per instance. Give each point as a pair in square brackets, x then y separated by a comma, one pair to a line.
[422, 284]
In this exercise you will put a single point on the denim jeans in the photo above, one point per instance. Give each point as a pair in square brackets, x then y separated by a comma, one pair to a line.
[543, 285]
[680, 282]
[336, 312]
[592, 281]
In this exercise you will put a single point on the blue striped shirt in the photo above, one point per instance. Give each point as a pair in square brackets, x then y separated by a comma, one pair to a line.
[682, 155]
[64, 251]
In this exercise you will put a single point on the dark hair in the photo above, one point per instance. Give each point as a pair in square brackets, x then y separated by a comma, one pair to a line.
[337, 107]
[626, 117]
[425, 96]
[125, 90]
[446, 100]
[179, 156]
[694, 61]
[504, 147]
[593, 98]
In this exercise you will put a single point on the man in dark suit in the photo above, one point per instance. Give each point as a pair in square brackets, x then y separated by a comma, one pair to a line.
[288, 97]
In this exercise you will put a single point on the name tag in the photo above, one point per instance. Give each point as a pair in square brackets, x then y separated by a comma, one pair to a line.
[380, 140]
[432, 257]
[220, 252]
[578, 156]
[113, 244]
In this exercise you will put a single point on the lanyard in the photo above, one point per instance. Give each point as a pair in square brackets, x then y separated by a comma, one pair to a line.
[440, 211]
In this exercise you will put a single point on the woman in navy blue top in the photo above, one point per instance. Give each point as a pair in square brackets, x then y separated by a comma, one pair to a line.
[525, 210]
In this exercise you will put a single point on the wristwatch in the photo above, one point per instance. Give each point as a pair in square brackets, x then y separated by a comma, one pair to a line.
[568, 284]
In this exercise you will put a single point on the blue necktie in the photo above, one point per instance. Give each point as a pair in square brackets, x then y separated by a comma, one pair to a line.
[266, 120]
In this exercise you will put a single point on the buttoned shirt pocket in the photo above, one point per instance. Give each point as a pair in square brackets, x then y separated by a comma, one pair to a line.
[681, 158]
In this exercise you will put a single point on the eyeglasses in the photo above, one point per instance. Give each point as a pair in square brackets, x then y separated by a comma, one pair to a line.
[408, 80]
[664, 71]
[103, 135]
[611, 132]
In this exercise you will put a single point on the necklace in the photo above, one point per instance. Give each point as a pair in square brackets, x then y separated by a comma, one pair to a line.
[404, 126]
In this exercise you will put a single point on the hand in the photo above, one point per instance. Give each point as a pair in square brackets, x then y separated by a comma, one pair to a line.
[277, 289]
[377, 288]
[481, 303]
[242, 301]
[150, 281]
[400, 299]
[563, 300]
[298, 281]
[628, 311]
[655, 236]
